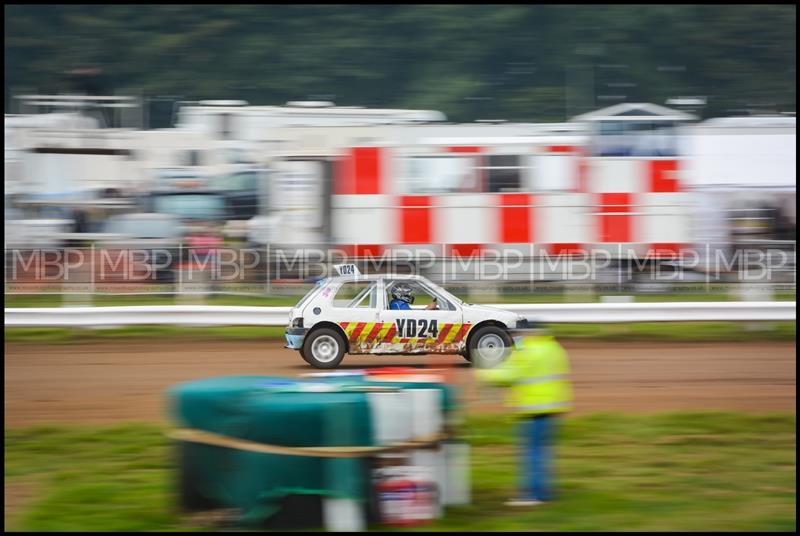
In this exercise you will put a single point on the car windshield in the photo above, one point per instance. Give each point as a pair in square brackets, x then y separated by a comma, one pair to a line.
[238, 182]
[144, 228]
[445, 294]
[321, 283]
[192, 206]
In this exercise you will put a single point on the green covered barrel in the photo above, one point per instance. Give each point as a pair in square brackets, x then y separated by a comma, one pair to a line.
[323, 412]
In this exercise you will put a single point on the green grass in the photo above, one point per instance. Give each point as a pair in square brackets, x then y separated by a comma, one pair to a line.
[684, 471]
[679, 331]
[83, 335]
[646, 331]
[704, 472]
[113, 478]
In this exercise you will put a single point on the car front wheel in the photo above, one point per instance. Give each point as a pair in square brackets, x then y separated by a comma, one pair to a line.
[489, 347]
[324, 349]
[303, 354]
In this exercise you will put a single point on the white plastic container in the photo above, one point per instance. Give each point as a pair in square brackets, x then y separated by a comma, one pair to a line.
[426, 405]
[457, 482]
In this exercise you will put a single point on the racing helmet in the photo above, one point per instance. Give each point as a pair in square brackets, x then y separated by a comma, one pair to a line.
[403, 292]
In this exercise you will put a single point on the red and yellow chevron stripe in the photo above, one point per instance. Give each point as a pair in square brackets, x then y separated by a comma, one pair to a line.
[386, 332]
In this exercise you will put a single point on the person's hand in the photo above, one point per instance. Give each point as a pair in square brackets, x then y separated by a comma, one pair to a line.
[433, 305]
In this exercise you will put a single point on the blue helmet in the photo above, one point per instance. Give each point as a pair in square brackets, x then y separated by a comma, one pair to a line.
[403, 292]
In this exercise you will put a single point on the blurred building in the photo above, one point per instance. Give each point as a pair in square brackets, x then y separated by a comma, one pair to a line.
[632, 179]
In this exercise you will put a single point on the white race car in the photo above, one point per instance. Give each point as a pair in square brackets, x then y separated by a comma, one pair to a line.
[350, 314]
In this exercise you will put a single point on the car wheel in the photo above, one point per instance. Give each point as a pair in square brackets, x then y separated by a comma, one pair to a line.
[324, 348]
[489, 347]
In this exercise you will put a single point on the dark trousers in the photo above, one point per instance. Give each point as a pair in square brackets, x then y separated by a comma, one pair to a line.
[537, 434]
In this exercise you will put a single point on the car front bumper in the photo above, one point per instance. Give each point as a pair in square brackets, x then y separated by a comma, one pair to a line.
[295, 337]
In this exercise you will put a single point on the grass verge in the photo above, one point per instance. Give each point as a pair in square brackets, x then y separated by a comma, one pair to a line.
[681, 472]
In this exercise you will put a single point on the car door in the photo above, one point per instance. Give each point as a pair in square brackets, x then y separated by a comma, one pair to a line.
[420, 330]
[355, 309]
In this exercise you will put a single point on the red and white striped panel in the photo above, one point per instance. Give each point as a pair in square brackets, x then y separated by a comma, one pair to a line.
[361, 171]
[563, 223]
[614, 175]
[413, 233]
[445, 225]
[605, 202]
[635, 174]
[465, 223]
[516, 230]
[663, 175]
[448, 225]
[362, 215]
[637, 205]
[553, 223]
[363, 224]
[614, 220]
[664, 227]
[556, 168]
[464, 149]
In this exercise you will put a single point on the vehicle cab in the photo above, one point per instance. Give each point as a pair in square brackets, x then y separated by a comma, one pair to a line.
[350, 313]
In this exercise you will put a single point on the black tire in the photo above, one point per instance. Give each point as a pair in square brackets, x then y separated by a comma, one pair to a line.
[490, 337]
[327, 344]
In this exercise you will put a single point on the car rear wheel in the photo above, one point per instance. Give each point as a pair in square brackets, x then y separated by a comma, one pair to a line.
[489, 347]
[323, 348]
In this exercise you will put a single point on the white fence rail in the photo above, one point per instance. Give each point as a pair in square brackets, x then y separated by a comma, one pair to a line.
[202, 315]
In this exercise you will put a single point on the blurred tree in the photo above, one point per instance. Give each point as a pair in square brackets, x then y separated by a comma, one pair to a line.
[470, 61]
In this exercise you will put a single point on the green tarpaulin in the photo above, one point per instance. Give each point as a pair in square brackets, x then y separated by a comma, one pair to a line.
[275, 411]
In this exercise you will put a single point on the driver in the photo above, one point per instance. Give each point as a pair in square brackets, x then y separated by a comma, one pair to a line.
[403, 297]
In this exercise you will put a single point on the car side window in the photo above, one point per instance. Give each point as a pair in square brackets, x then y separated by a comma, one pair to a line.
[356, 294]
[423, 296]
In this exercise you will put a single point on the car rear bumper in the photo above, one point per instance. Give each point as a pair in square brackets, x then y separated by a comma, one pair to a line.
[295, 337]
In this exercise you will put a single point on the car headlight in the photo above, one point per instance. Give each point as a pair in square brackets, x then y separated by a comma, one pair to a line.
[297, 322]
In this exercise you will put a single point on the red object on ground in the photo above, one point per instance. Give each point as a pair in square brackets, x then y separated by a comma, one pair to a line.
[396, 370]
[406, 500]
[396, 502]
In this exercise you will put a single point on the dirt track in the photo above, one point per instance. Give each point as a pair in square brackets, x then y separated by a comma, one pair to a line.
[126, 380]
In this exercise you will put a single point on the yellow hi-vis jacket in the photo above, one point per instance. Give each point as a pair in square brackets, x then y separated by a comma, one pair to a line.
[537, 374]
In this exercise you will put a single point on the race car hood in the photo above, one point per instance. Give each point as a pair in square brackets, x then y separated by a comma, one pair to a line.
[478, 313]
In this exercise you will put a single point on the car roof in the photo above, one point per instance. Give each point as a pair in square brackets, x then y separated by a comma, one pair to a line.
[375, 277]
